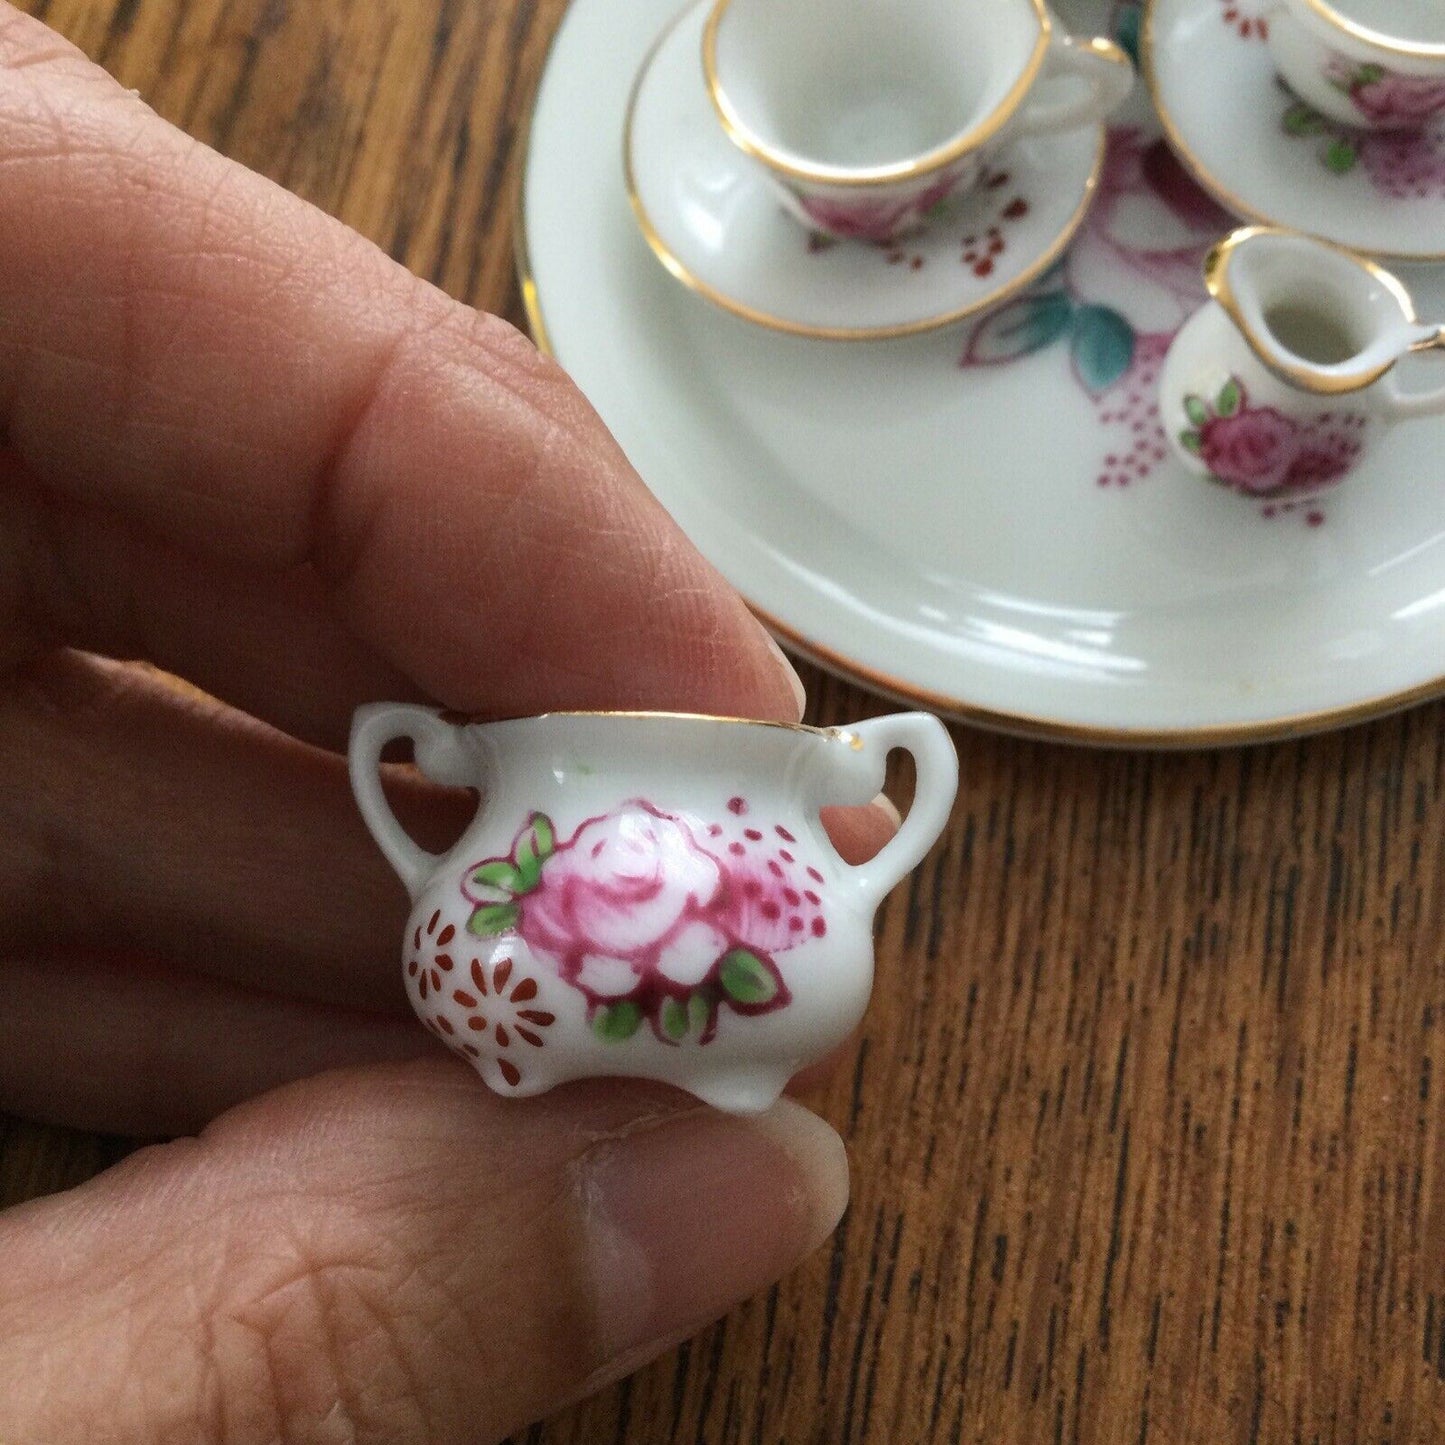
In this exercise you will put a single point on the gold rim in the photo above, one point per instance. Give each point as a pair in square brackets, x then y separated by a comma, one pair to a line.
[1211, 183]
[458, 719]
[788, 165]
[1217, 282]
[1417, 50]
[1023, 724]
[827, 333]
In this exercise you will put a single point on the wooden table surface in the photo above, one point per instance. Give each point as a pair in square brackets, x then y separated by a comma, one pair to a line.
[1145, 1120]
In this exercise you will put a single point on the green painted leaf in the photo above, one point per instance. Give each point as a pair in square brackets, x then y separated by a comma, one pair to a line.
[497, 873]
[674, 1019]
[1191, 442]
[534, 847]
[1227, 402]
[1369, 74]
[617, 1021]
[1301, 119]
[1195, 410]
[1340, 156]
[745, 978]
[699, 1011]
[493, 918]
[1102, 347]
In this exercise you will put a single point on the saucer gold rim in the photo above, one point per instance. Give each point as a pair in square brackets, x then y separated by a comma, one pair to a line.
[1414, 49]
[681, 272]
[864, 176]
[1206, 178]
[1019, 724]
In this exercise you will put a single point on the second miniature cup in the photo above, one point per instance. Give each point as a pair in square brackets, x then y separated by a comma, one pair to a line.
[1370, 64]
[868, 115]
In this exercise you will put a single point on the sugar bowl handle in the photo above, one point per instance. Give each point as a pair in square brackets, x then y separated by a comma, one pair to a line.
[936, 764]
[439, 755]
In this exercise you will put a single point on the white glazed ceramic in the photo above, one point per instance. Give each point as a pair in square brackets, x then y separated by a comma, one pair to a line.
[650, 895]
[1370, 64]
[1272, 158]
[1284, 382]
[715, 223]
[865, 115]
[986, 520]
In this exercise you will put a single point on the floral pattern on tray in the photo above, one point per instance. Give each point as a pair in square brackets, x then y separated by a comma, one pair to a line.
[1116, 335]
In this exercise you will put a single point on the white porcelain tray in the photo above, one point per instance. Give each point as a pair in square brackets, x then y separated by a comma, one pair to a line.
[980, 520]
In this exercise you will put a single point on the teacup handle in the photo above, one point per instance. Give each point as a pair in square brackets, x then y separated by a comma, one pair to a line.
[438, 755]
[936, 763]
[1108, 74]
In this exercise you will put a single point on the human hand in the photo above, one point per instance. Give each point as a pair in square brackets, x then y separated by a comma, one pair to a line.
[241, 444]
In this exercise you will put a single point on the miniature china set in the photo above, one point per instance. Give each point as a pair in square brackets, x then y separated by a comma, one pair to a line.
[712, 216]
[866, 118]
[1285, 381]
[647, 895]
[987, 520]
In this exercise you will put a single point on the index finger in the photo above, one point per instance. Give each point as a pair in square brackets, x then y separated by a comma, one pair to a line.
[203, 357]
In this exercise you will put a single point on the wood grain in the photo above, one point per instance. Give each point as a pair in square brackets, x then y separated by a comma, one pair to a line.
[1144, 1123]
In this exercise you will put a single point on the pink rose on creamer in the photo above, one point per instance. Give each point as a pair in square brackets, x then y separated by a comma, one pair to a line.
[1252, 450]
[631, 894]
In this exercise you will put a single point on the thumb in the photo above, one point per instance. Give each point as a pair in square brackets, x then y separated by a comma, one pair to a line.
[393, 1254]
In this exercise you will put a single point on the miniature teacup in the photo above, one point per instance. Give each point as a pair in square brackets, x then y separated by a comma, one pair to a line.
[647, 894]
[1372, 64]
[1282, 382]
[866, 115]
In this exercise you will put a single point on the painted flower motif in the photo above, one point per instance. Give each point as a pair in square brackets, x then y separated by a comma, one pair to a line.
[874, 221]
[1251, 449]
[880, 221]
[1260, 451]
[1386, 97]
[650, 922]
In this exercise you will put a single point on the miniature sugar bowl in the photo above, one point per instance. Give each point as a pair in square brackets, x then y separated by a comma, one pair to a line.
[647, 894]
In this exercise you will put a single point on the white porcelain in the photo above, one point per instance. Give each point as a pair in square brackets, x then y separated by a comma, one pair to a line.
[1285, 381]
[647, 895]
[927, 516]
[864, 115]
[1370, 64]
[715, 223]
[1272, 158]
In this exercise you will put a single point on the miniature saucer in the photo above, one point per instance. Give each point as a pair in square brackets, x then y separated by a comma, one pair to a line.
[987, 520]
[1269, 157]
[715, 223]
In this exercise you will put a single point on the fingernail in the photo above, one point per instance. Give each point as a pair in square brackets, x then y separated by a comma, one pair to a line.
[688, 1217]
[800, 693]
[889, 809]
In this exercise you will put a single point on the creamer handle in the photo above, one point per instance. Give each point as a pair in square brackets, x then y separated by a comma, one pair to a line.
[936, 763]
[1401, 404]
[438, 756]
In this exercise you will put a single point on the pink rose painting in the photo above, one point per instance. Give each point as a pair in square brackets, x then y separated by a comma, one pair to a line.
[1386, 97]
[878, 221]
[1260, 451]
[651, 922]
